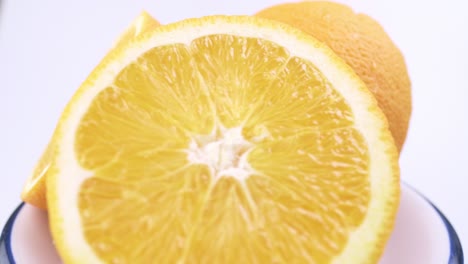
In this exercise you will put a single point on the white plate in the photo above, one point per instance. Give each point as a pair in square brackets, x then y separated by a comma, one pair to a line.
[422, 235]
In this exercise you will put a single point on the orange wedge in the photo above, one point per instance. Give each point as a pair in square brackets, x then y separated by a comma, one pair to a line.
[34, 191]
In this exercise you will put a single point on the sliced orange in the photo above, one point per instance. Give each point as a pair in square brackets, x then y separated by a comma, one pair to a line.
[34, 191]
[223, 140]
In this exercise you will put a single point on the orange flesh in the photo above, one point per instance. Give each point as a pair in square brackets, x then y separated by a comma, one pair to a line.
[310, 187]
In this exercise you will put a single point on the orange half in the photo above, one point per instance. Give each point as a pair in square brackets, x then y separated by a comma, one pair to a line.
[223, 140]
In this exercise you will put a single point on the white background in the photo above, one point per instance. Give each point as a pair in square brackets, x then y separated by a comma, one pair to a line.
[47, 48]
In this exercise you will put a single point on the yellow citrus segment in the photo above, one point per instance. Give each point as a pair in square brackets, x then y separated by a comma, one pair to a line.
[223, 140]
[107, 220]
[34, 191]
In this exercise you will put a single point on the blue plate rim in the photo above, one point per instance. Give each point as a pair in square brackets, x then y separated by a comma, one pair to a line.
[456, 250]
[6, 233]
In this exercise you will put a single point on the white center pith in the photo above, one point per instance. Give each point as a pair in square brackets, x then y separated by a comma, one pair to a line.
[224, 151]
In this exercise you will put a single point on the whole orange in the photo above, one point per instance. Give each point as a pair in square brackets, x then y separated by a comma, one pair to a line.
[364, 45]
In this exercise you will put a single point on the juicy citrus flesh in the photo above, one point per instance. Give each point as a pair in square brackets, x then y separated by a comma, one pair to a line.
[300, 132]
[363, 43]
[227, 148]
[34, 191]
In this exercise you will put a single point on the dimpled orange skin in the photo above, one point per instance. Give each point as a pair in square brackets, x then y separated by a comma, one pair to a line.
[365, 46]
